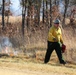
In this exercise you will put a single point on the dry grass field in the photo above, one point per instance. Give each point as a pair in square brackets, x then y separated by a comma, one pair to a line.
[27, 54]
[23, 66]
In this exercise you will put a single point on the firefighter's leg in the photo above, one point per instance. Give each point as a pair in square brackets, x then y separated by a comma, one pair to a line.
[48, 52]
[59, 53]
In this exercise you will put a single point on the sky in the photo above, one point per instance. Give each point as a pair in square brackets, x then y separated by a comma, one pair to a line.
[61, 7]
[15, 7]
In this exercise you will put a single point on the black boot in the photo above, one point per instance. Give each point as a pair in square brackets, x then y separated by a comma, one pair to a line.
[63, 62]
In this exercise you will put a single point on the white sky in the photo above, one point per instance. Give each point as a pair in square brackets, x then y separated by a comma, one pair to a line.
[15, 7]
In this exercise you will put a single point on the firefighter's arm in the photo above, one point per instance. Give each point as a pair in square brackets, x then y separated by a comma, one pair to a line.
[61, 39]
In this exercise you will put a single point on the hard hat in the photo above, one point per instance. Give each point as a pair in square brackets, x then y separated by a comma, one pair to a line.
[57, 21]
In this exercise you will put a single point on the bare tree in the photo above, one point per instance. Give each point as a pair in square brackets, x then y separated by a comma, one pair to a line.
[50, 12]
[72, 2]
[38, 11]
[8, 12]
[43, 11]
[66, 6]
[23, 15]
[3, 23]
[47, 12]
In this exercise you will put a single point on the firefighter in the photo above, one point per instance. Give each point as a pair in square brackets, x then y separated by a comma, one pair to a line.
[54, 42]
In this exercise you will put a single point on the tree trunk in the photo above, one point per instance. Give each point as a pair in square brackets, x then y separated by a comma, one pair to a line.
[8, 13]
[43, 11]
[38, 15]
[50, 12]
[3, 8]
[55, 2]
[66, 6]
[47, 12]
[23, 16]
[28, 16]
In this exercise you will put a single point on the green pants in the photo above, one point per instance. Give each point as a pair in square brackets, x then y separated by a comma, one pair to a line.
[50, 48]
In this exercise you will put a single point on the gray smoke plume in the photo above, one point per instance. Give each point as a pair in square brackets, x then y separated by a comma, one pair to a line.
[4, 43]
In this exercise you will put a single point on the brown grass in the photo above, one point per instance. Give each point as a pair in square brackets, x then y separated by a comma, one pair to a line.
[33, 65]
[36, 38]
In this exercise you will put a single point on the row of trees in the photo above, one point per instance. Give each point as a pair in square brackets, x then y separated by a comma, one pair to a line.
[33, 11]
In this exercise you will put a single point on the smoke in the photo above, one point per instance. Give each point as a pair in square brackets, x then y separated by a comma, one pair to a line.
[5, 42]
[5, 45]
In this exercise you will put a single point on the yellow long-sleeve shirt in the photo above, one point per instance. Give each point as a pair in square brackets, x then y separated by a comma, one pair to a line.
[55, 33]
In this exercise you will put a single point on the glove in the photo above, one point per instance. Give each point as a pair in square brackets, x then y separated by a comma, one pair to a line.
[54, 39]
[63, 48]
[60, 44]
